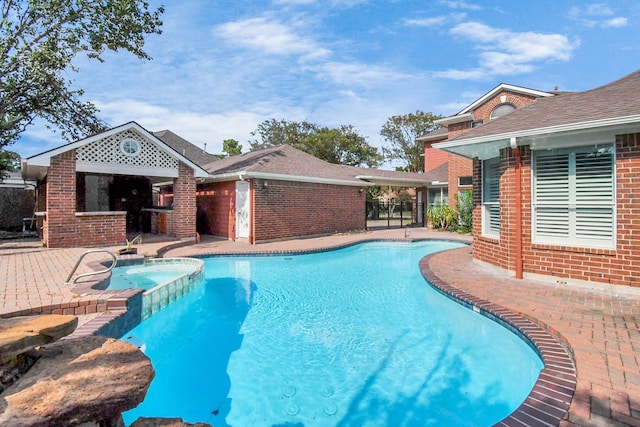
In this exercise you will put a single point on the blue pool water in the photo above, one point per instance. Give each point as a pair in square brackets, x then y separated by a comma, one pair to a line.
[352, 337]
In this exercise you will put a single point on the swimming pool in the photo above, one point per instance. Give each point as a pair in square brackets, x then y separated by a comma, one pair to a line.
[348, 337]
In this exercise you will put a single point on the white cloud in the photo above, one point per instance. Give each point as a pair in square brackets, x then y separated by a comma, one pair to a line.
[597, 15]
[615, 23]
[271, 37]
[426, 22]
[359, 75]
[197, 128]
[293, 2]
[461, 5]
[504, 52]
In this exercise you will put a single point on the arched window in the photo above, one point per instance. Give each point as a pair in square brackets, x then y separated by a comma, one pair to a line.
[502, 110]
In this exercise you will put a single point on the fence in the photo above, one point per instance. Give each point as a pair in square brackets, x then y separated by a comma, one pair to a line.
[394, 214]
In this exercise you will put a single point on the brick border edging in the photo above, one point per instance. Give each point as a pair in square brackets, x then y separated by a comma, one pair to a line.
[548, 402]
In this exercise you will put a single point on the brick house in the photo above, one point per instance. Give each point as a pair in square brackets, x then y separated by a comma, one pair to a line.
[499, 101]
[282, 192]
[555, 186]
[128, 181]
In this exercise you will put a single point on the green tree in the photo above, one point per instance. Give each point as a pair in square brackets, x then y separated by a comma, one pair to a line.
[231, 147]
[464, 206]
[39, 40]
[341, 145]
[9, 162]
[401, 132]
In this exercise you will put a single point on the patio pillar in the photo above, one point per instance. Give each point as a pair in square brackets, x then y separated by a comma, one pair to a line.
[60, 223]
[184, 203]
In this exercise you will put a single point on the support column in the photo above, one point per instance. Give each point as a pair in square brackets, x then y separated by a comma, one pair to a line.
[60, 229]
[184, 203]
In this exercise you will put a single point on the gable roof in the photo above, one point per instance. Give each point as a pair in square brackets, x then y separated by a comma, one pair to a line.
[184, 147]
[287, 163]
[504, 87]
[613, 107]
[36, 166]
[466, 114]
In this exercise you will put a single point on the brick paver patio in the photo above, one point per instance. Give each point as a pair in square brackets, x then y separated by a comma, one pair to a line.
[599, 322]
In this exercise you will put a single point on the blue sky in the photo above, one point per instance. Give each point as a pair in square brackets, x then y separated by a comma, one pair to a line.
[220, 68]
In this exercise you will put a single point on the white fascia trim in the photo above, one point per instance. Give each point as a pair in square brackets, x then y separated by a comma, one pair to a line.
[570, 127]
[405, 181]
[428, 137]
[458, 118]
[510, 88]
[282, 177]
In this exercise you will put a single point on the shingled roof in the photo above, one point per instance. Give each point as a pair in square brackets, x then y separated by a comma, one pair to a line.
[194, 153]
[287, 163]
[612, 105]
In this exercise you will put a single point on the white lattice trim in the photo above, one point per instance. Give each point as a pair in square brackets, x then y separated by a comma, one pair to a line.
[106, 156]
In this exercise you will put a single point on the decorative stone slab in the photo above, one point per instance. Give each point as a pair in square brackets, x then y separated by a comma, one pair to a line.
[78, 380]
[165, 422]
[23, 333]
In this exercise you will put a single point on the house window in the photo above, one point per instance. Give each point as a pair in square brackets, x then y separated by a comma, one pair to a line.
[573, 196]
[437, 196]
[491, 197]
[465, 180]
[502, 110]
[476, 123]
[130, 147]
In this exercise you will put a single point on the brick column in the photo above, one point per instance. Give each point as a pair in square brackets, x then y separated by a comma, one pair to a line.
[184, 203]
[60, 231]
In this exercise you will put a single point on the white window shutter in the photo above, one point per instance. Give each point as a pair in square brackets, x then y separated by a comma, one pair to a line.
[574, 199]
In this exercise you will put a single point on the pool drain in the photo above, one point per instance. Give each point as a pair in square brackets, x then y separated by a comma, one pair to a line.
[327, 391]
[293, 409]
[330, 409]
[289, 391]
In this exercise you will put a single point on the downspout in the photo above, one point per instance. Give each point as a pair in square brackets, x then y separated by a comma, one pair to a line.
[518, 206]
[252, 213]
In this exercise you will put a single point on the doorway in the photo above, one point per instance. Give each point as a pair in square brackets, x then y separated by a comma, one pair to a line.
[243, 209]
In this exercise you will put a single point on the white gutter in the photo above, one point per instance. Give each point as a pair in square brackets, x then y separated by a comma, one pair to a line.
[244, 175]
[384, 179]
[446, 121]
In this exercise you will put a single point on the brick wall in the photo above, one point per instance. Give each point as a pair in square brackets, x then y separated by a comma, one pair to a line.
[184, 203]
[101, 230]
[61, 201]
[458, 166]
[618, 266]
[483, 112]
[216, 209]
[291, 209]
[433, 157]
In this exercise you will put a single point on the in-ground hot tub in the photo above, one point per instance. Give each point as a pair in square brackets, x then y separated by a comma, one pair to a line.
[164, 280]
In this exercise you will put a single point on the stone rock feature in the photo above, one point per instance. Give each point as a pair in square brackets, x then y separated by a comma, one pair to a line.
[89, 379]
[165, 422]
[22, 334]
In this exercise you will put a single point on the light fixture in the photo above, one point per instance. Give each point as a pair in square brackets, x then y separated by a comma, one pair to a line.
[265, 184]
